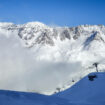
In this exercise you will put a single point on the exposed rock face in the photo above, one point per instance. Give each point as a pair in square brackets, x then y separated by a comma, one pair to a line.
[38, 33]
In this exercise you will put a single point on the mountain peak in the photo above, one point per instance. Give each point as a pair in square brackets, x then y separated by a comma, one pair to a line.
[34, 24]
[6, 24]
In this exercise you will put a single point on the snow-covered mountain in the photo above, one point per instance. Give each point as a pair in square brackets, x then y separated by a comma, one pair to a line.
[39, 58]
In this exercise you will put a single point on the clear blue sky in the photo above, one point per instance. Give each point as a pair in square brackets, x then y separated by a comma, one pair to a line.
[59, 12]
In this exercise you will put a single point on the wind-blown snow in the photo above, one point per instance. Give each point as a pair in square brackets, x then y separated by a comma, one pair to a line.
[37, 58]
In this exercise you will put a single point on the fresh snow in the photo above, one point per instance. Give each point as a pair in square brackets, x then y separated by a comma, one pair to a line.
[38, 58]
[85, 92]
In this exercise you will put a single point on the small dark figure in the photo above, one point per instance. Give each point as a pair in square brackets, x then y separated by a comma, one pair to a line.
[91, 77]
[96, 65]
[73, 80]
[58, 89]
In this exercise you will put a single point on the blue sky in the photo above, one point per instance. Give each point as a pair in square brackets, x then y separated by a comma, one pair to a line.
[51, 12]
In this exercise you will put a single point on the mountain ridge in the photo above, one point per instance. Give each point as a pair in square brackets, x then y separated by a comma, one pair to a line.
[66, 54]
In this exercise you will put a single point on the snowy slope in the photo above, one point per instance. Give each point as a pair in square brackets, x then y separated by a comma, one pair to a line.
[21, 98]
[38, 58]
[86, 91]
